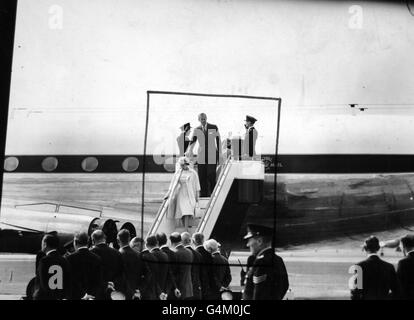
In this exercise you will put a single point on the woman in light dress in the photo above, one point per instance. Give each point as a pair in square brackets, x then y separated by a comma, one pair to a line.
[183, 199]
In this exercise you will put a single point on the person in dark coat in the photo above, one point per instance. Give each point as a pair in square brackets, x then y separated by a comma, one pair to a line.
[172, 289]
[221, 269]
[162, 264]
[53, 274]
[112, 264]
[152, 287]
[195, 267]
[206, 270]
[184, 259]
[267, 279]
[209, 153]
[405, 268]
[148, 290]
[87, 272]
[379, 279]
[134, 267]
[246, 279]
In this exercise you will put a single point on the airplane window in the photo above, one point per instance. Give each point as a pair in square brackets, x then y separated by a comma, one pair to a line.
[170, 164]
[49, 164]
[90, 164]
[11, 163]
[130, 164]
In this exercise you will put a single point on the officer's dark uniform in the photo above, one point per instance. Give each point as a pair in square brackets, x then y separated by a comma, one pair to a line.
[267, 278]
[248, 289]
[249, 141]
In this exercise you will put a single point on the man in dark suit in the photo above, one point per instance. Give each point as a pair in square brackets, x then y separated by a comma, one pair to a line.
[405, 269]
[209, 153]
[250, 138]
[162, 264]
[172, 289]
[112, 264]
[195, 267]
[87, 274]
[184, 259]
[267, 279]
[379, 279]
[206, 271]
[221, 269]
[53, 275]
[134, 267]
[152, 287]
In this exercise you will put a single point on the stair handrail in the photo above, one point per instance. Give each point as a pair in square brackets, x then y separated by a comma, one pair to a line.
[216, 190]
[163, 208]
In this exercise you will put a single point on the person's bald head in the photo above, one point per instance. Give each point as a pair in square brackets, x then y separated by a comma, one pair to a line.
[136, 244]
[175, 238]
[186, 238]
[80, 239]
[98, 236]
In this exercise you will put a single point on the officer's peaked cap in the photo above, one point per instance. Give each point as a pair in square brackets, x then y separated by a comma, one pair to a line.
[251, 119]
[254, 230]
[185, 126]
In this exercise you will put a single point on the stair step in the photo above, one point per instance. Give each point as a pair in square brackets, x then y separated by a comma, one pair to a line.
[203, 202]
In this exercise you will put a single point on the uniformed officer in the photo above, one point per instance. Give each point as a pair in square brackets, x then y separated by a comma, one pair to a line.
[267, 278]
[246, 279]
[250, 137]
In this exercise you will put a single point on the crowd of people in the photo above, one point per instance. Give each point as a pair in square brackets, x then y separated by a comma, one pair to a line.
[189, 268]
[178, 267]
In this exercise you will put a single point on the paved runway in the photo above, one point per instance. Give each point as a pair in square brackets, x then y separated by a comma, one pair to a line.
[313, 273]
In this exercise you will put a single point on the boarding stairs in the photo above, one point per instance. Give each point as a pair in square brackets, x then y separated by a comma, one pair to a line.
[210, 207]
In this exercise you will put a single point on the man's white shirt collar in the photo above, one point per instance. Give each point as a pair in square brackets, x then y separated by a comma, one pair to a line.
[50, 251]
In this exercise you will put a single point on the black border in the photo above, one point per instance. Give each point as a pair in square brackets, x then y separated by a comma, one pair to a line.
[8, 9]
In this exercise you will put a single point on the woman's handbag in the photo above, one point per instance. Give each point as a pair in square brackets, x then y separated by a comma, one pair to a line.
[197, 211]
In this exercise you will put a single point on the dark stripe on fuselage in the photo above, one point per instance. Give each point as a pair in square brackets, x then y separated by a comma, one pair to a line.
[287, 163]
